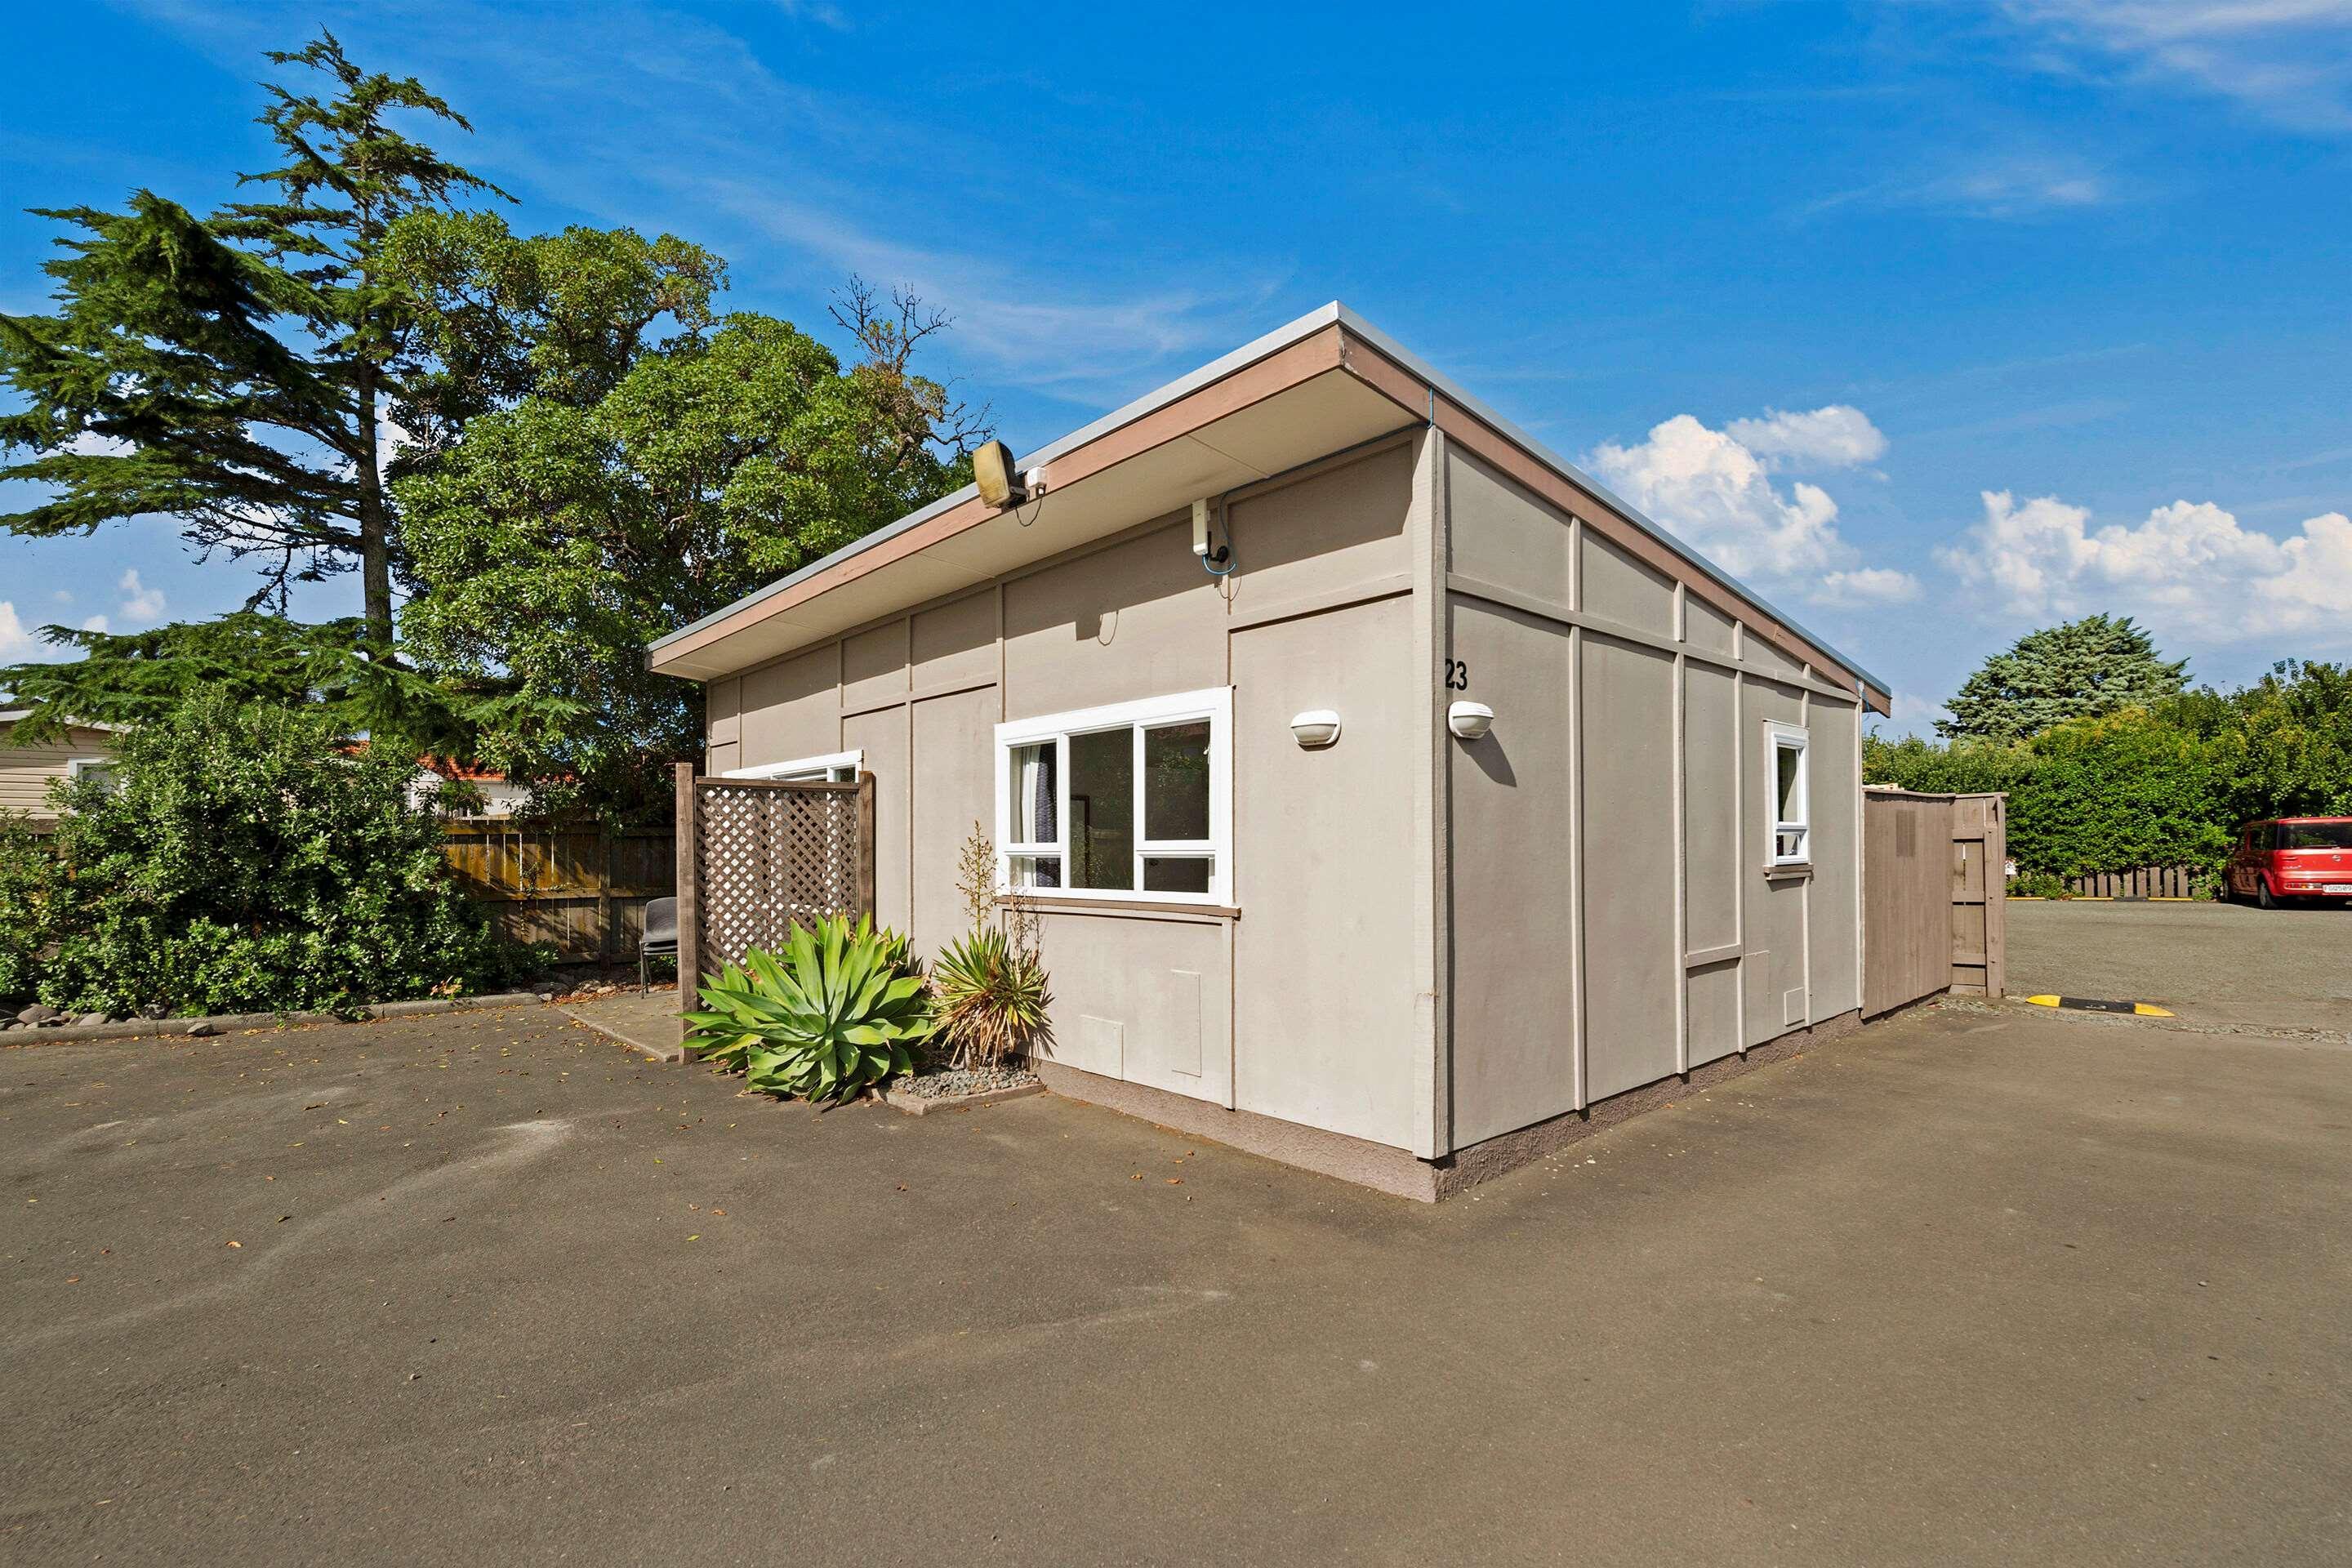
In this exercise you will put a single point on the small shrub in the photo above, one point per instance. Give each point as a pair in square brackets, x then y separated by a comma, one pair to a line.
[2039, 885]
[839, 1011]
[991, 984]
[992, 998]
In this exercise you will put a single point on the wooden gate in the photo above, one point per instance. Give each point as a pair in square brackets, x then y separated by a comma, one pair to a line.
[580, 888]
[1932, 889]
[756, 856]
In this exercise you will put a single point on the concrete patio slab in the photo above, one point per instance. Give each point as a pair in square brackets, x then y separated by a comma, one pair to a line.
[649, 1024]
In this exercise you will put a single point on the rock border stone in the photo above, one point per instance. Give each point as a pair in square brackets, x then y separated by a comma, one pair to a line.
[234, 1023]
[924, 1105]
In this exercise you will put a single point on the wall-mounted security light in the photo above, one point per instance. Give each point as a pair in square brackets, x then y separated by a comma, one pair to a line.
[1469, 720]
[1315, 728]
[1001, 483]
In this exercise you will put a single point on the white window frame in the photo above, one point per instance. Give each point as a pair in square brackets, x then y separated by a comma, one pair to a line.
[1216, 705]
[76, 766]
[834, 767]
[1779, 737]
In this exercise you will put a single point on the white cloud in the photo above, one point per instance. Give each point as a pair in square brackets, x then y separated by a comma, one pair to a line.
[2191, 568]
[2289, 60]
[2003, 184]
[140, 604]
[1714, 491]
[1836, 436]
[95, 624]
[16, 641]
[91, 444]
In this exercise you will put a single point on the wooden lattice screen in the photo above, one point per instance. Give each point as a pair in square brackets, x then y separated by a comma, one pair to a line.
[754, 857]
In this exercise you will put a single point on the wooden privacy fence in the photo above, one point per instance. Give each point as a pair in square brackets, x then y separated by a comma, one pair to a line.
[581, 889]
[755, 856]
[1931, 896]
[2147, 883]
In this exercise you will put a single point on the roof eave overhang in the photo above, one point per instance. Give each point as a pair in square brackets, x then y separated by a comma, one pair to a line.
[1332, 339]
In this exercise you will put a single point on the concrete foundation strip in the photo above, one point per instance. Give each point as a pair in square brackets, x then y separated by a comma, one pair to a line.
[234, 1023]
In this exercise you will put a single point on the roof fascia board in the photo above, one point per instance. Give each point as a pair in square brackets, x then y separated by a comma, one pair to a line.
[1216, 370]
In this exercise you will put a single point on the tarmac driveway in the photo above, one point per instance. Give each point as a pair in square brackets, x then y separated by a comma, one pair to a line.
[2210, 963]
[1972, 1286]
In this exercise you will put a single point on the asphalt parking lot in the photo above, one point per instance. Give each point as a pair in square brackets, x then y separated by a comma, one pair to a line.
[1976, 1285]
[2211, 964]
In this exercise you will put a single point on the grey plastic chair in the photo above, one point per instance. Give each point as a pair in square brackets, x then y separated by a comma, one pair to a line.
[660, 936]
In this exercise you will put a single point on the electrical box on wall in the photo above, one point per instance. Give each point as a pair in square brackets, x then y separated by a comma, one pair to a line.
[1208, 542]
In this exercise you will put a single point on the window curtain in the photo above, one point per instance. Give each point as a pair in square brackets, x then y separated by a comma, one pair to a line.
[1035, 809]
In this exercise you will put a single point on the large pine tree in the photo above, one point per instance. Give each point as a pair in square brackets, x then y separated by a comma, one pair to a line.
[2077, 670]
[234, 371]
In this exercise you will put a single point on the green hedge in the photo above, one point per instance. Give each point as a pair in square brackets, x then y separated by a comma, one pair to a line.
[241, 859]
[2167, 784]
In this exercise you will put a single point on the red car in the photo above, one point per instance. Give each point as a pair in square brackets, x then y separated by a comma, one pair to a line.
[2291, 857]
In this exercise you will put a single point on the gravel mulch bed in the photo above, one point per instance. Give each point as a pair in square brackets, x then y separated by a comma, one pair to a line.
[947, 1083]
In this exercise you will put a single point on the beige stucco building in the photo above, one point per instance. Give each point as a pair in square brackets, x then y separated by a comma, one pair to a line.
[1400, 955]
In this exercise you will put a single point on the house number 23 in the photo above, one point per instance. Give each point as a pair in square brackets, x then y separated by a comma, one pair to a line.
[1457, 675]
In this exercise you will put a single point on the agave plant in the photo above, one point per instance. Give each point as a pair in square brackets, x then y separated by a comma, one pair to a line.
[837, 1011]
[992, 997]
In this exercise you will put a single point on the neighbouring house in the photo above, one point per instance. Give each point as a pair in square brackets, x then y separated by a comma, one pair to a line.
[495, 793]
[1396, 801]
[27, 772]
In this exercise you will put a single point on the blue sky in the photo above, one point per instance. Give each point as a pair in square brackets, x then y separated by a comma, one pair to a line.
[1936, 320]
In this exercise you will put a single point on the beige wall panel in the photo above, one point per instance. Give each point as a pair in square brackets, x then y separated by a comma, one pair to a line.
[27, 772]
[1705, 626]
[722, 701]
[1502, 535]
[1713, 1012]
[1710, 807]
[1149, 1001]
[1342, 527]
[1514, 919]
[954, 790]
[874, 666]
[1323, 848]
[1763, 656]
[1632, 957]
[723, 759]
[956, 643]
[1140, 619]
[1775, 936]
[882, 736]
[792, 709]
[1622, 589]
[1835, 939]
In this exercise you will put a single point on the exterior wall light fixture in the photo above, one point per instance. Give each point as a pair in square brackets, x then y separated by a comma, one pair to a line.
[1315, 729]
[1469, 720]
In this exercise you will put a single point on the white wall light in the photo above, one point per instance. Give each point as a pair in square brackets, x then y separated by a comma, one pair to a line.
[1469, 720]
[1315, 728]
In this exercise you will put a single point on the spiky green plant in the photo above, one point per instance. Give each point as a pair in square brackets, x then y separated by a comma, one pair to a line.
[993, 997]
[836, 1012]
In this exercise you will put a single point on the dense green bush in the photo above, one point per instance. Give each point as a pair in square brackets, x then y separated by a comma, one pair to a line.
[25, 872]
[2164, 784]
[240, 859]
[841, 1008]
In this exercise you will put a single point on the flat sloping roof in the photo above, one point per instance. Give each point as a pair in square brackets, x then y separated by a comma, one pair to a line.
[1233, 399]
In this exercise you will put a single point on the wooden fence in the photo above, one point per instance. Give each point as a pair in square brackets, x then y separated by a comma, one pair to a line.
[583, 889]
[2147, 883]
[1931, 884]
[755, 856]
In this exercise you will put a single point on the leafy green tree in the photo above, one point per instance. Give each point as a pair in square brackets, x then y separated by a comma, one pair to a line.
[1961, 767]
[2078, 671]
[2116, 793]
[234, 371]
[551, 540]
[241, 858]
[143, 678]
